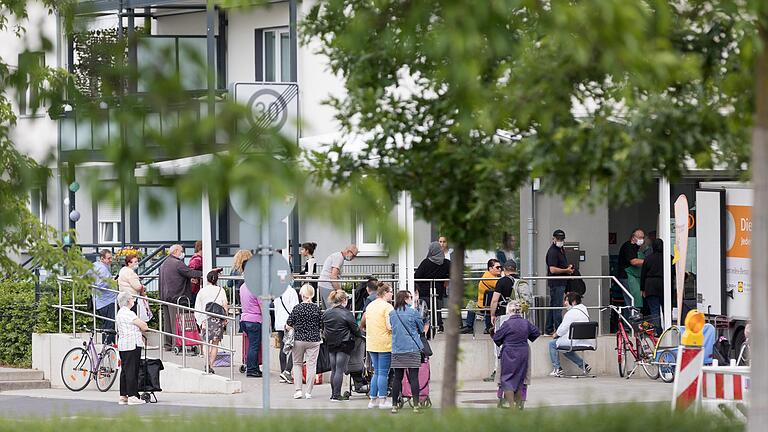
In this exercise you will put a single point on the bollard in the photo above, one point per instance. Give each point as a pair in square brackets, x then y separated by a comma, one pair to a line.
[690, 360]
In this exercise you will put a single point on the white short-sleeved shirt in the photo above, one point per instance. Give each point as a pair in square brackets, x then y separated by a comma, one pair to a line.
[129, 334]
[209, 293]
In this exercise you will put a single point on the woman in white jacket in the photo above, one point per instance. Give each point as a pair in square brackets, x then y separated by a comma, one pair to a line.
[577, 312]
[283, 306]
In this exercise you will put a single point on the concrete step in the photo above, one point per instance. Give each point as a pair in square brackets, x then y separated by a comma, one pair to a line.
[8, 374]
[24, 385]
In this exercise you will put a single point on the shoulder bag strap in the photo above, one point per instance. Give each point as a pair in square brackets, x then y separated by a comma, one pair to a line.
[406, 328]
[283, 303]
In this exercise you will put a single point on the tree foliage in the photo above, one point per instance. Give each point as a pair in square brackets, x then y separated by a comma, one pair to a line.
[594, 97]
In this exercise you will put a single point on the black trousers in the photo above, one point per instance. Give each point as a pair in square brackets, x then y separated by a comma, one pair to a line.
[413, 380]
[129, 374]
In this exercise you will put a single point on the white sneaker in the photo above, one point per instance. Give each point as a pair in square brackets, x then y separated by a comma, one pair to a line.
[298, 395]
[133, 400]
[308, 396]
[556, 372]
[372, 404]
[123, 401]
[386, 404]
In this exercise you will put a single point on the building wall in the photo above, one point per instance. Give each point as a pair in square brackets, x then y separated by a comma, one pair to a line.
[588, 228]
[36, 135]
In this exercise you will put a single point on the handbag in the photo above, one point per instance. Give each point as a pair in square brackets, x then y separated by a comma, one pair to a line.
[423, 353]
[323, 359]
[215, 308]
[289, 338]
[144, 312]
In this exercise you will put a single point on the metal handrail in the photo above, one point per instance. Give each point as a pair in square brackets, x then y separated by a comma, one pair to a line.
[149, 256]
[160, 331]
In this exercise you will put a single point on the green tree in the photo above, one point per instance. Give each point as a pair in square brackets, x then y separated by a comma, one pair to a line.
[594, 97]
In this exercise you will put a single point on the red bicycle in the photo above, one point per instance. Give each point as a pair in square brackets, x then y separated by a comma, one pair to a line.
[635, 337]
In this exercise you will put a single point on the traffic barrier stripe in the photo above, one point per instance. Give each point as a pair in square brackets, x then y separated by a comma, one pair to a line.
[690, 360]
[716, 385]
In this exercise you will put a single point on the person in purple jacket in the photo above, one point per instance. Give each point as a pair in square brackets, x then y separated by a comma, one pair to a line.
[513, 336]
[250, 324]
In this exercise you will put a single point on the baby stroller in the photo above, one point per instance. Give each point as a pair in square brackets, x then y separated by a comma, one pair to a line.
[149, 378]
[424, 377]
[358, 369]
[186, 319]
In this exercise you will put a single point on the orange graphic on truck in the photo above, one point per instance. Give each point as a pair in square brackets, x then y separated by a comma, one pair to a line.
[741, 239]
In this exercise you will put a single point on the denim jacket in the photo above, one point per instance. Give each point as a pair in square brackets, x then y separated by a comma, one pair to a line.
[404, 322]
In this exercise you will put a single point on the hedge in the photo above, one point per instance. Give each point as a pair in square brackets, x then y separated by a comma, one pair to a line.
[20, 316]
[610, 418]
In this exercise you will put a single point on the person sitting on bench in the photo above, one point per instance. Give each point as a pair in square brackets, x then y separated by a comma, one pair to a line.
[577, 312]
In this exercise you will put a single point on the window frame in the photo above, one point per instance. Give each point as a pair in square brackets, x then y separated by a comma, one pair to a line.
[29, 99]
[261, 54]
[378, 249]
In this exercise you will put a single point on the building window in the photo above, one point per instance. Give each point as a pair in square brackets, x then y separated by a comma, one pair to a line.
[273, 55]
[37, 203]
[109, 232]
[110, 222]
[368, 240]
[29, 93]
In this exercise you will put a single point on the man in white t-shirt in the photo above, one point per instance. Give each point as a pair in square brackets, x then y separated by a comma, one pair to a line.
[577, 312]
[332, 272]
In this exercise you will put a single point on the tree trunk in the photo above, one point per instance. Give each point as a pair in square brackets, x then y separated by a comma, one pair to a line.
[758, 408]
[455, 300]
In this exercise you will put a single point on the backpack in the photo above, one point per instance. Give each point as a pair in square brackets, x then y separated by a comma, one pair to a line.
[576, 285]
[523, 292]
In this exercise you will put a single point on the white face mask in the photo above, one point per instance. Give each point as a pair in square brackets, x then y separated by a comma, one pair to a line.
[559, 244]
[639, 242]
[135, 266]
[181, 257]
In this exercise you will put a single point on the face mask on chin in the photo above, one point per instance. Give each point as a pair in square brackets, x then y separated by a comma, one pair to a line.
[559, 244]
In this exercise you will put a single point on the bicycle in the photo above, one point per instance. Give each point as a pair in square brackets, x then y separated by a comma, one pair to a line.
[642, 348]
[81, 364]
[665, 353]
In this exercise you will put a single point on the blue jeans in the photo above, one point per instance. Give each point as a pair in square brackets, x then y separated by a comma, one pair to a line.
[472, 315]
[654, 306]
[572, 356]
[253, 331]
[107, 311]
[555, 316]
[381, 362]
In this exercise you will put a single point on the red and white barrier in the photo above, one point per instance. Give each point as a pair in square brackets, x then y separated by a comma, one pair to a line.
[690, 360]
[725, 387]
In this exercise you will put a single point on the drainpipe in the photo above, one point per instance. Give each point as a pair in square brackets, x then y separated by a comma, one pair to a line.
[532, 232]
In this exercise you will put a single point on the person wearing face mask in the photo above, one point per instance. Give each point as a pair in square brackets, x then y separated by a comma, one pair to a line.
[339, 331]
[576, 312]
[557, 265]
[128, 281]
[331, 272]
[175, 282]
[629, 267]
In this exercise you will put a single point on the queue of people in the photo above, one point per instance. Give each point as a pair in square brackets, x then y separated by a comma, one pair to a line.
[394, 335]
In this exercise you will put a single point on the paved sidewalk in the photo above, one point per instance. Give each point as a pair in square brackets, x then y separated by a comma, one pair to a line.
[472, 394]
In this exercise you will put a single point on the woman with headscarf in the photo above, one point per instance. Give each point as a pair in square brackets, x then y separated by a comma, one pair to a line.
[513, 336]
[434, 266]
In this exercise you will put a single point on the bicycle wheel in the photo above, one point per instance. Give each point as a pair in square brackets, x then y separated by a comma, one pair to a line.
[645, 353]
[622, 355]
[76, 369]
[106, 372]
[667, 366]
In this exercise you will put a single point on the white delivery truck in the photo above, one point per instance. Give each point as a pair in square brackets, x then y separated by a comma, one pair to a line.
[723, 260]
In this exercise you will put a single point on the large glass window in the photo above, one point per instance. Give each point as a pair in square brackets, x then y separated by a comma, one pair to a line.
[276, 52]
[29, 94]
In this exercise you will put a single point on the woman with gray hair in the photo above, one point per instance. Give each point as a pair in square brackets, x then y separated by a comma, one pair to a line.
[130, 341]
[513, 336]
